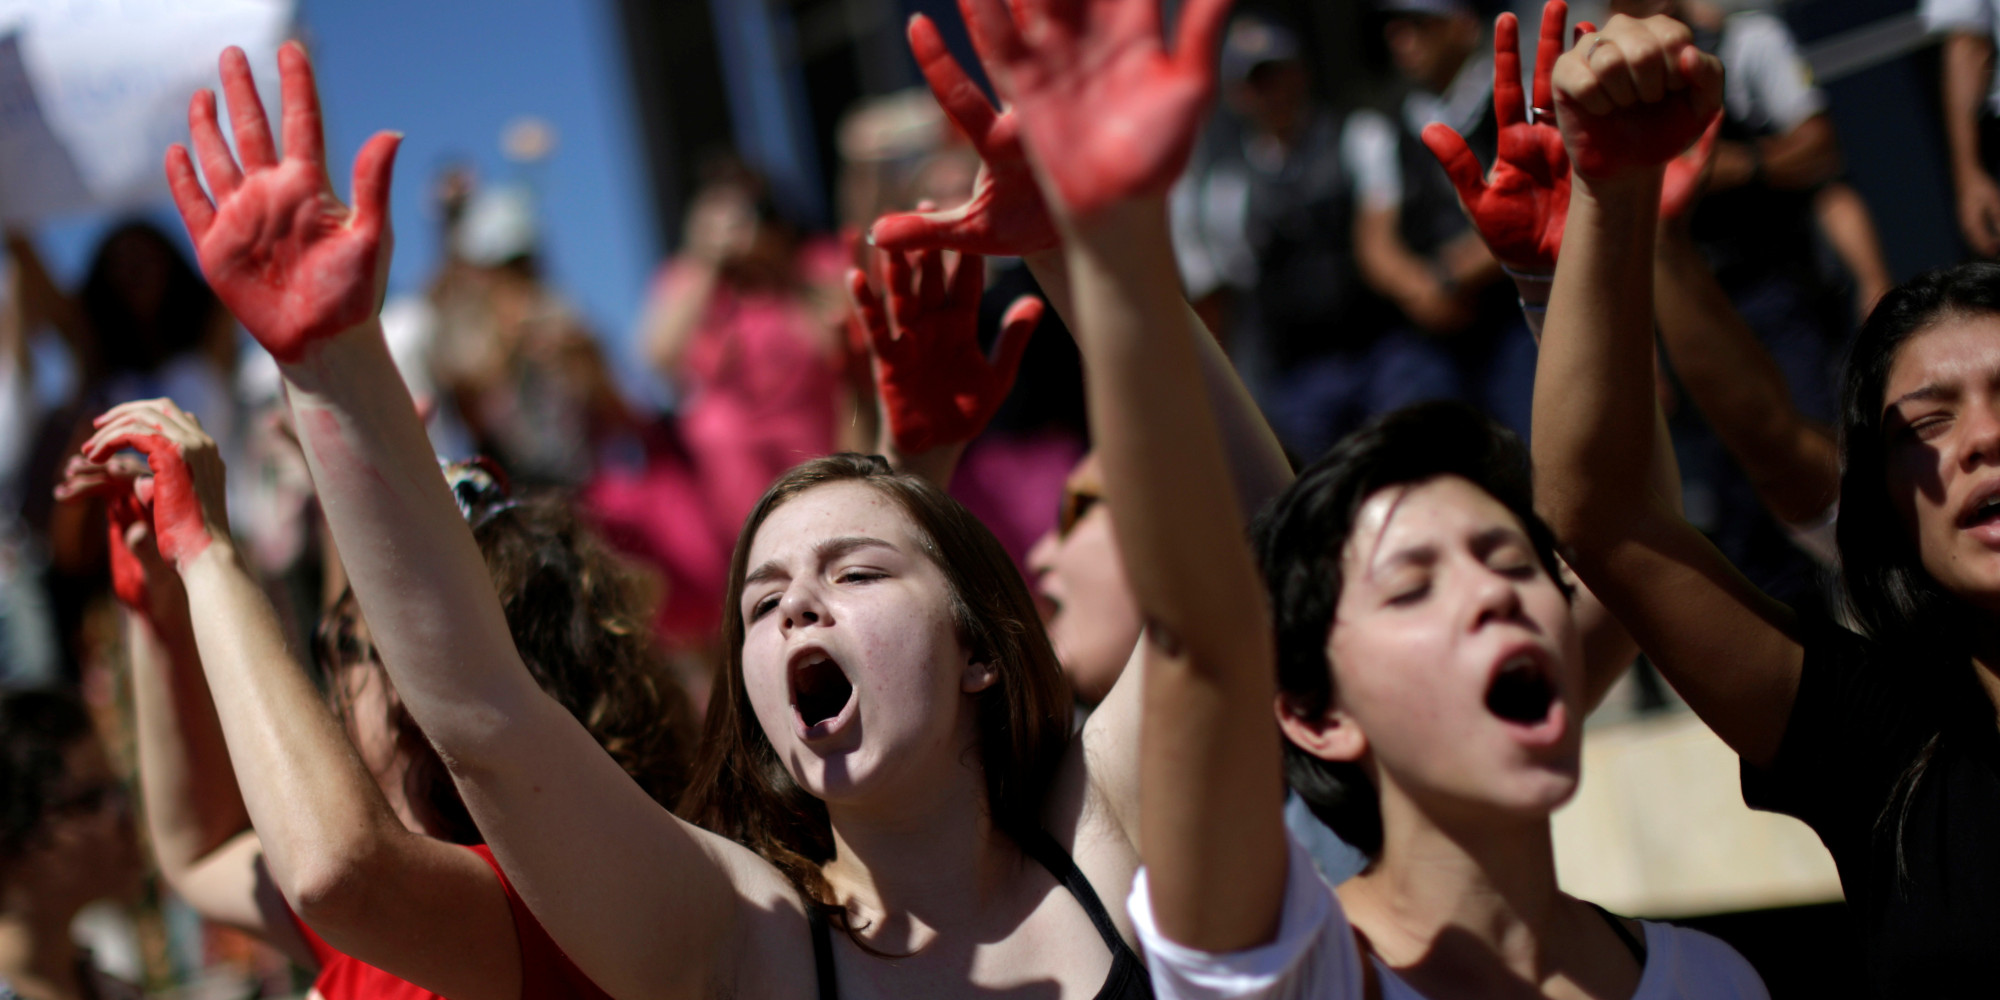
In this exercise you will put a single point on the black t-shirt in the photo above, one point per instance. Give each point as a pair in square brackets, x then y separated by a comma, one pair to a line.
[1863, 715]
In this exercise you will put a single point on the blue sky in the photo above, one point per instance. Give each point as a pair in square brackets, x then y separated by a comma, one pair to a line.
[450, 74]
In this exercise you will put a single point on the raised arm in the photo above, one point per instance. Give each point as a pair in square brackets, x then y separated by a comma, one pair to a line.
[1007, 216]
[1110, 115]
[372, 888]
[194, 813]
[1791, 461]
[648, 907]
[1518, 208]
[1629, 99]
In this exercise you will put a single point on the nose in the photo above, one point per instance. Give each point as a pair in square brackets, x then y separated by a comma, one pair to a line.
[1497, 598]
[1982, 434]
[802, 606]
[1042, 557]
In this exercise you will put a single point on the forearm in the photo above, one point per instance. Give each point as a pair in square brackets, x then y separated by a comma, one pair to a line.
[1390, 268]
[1968, 74]
[1740, 389]
[409, 556]
[1209, 778]
[1594, 395]
[1803, 157]
[187, 785]
[1258, 468]
[1845, 220]
[316, 809]
[673, 323]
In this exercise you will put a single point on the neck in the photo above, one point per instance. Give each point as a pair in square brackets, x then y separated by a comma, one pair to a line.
[36, 953]
[1446, 895]
[912, 865]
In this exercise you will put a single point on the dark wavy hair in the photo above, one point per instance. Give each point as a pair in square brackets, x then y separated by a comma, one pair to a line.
[1892, 597]
[741, 788]
[37, 729]
[580, 623]
[1300, 538]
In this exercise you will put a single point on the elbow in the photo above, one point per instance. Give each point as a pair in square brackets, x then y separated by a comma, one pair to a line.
[331, 888]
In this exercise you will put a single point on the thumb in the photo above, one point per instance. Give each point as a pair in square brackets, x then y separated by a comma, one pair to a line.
[1457, 160]
[907, 231]
[1016, 326]
[372, 168]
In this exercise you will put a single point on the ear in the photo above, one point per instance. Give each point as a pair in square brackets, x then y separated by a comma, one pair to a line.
[1334, 736]
[978, 675]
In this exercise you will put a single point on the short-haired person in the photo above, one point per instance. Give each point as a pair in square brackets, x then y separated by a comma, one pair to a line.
[66, 840]
[1447, 635]
[1884, 743]
[333, 832]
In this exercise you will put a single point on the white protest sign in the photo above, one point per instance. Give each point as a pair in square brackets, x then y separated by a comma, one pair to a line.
[93, 91]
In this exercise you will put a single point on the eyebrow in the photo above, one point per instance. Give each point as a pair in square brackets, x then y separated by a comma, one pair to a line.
[823, 552]
[1922, 394]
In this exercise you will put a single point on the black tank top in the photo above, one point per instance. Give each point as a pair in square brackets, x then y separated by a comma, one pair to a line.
[1126, 981]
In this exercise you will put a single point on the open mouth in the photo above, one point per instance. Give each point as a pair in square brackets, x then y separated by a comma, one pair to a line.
[1521, 692]
[820, 689]
[1986, 512]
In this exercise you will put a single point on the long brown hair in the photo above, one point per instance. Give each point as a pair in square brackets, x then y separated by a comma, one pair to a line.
[741, 789]
[580, 624]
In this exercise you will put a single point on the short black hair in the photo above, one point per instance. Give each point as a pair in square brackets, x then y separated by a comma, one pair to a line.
[1299, 539]
[37, 730]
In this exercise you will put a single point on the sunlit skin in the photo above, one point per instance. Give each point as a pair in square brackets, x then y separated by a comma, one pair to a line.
[840, 568]
[1094, 620]
[1941, 416]
[1440, 586]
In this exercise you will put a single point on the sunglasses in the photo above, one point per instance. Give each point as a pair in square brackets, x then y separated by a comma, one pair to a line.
[1076, 502]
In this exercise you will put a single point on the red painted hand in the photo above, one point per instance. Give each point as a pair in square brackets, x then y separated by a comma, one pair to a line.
[937, 387]
[1633, 96]
[1519, 207]
[294, 264]
[1005, 216]
[136, 566]
[1688, 173]
[187, 502]
[1108, 113]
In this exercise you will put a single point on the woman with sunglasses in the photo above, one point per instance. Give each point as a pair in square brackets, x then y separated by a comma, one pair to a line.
[337, 835]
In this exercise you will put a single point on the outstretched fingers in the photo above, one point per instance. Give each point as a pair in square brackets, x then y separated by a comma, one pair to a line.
[218, 164]
[304, 132]
[1017, 324]
[1458, 161]
[968, 280]
[197, 212]
[373, 167]
[254, 146]
[1507, 109]
[868, 306]
[960, 98]
[1199, 33]
[995, 37]
[919, 230]
[1547, 51]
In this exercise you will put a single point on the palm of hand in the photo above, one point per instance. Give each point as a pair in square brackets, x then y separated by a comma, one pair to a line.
[284, 256]
[1112, 122]
[938, 387]
[1520, 213]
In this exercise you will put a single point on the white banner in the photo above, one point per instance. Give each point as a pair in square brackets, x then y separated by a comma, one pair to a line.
[93, 91]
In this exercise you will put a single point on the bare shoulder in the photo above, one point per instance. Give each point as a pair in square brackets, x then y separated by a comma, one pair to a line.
[771, 943]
